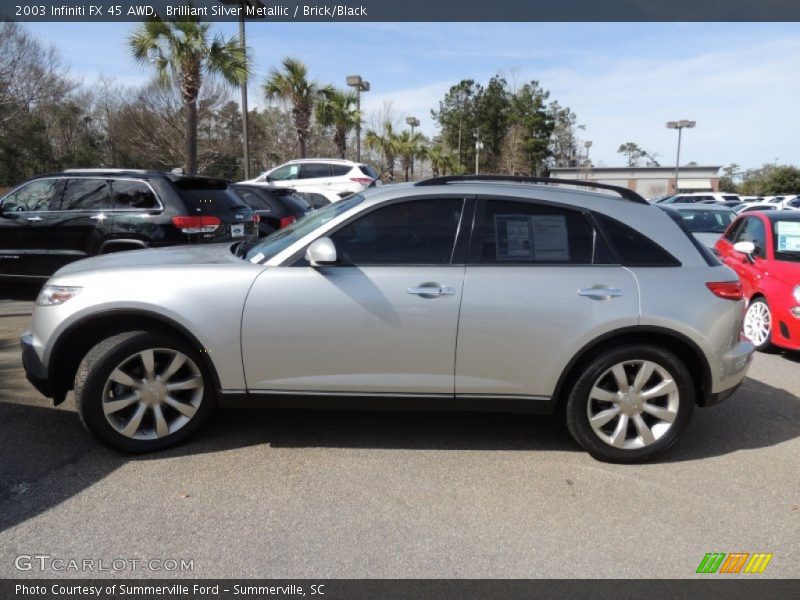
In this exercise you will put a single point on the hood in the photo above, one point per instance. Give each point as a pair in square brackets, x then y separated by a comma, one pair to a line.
[199, 254]
[707, 239]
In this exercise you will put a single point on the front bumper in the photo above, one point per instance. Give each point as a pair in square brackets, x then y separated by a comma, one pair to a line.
[733, 367]
[35, 370]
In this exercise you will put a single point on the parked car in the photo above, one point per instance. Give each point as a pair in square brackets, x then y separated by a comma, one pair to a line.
[54, 219]
[276, 207]
[753, 206]
[460, 292]
[699, 197]
[707, 223]
[764, 249]
[329, 177]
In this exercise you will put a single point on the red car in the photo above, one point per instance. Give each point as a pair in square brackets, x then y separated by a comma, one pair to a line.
[764, 249]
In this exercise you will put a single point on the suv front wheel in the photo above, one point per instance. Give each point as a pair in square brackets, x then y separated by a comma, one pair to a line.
[140, 392]
[630, 403]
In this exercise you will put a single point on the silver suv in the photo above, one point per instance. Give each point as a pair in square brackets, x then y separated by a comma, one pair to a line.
[455, 293]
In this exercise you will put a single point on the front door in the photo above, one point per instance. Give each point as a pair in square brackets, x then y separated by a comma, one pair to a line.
[26, 243]
[383, 320]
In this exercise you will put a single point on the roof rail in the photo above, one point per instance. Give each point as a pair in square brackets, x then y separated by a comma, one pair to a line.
[625, 193]
[106, 170]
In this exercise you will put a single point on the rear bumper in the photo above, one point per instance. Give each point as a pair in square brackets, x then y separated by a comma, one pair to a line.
[35, 370]
[733, 367]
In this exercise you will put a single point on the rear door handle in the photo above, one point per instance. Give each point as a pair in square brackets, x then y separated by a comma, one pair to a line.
[429, 290]
[34, 219]
[600, 292]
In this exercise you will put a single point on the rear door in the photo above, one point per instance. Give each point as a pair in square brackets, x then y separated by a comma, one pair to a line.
[540, 284]
[27, 242]
[83, 218]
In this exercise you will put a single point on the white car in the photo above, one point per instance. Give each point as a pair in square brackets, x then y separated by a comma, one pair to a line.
[331, 177]
[704, 197]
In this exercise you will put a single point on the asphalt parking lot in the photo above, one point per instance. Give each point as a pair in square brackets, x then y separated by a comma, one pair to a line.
[380, 495]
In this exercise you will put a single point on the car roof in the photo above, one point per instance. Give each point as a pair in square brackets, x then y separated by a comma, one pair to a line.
[781, 215]
[340, 161]
[127, 173]
[695, 206]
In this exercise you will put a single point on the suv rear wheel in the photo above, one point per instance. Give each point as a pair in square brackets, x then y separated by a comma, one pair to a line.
[140, 392]
[630, 403]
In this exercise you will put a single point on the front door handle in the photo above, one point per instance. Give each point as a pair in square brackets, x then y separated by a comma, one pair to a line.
[431, 290]
[34, 219]
[600, 292]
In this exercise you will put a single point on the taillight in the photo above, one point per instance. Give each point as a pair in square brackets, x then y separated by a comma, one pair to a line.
[730, 290]
[286, 221]
[365, 181]
[196, 224]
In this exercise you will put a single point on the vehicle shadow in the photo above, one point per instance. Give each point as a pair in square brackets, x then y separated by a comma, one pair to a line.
[48, 457]
[19, 291]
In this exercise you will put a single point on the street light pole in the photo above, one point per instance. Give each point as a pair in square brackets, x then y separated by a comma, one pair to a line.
[679, 125]
[413, 122]
[587, 144]
[478, 148]
[355, 81]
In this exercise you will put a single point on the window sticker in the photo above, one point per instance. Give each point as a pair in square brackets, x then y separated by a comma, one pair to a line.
[550, 241]
[513, 237]
[788, 236]
[540, 238]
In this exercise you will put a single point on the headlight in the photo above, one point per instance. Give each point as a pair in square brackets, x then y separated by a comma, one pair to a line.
[53, 295]
[797, 294]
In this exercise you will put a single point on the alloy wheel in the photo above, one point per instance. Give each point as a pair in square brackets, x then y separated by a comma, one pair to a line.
[152, 394]
[758, 323]
[633, 404]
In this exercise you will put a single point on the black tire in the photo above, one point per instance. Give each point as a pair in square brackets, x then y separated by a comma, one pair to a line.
[98, 365]
[579, 403]
[766, 345]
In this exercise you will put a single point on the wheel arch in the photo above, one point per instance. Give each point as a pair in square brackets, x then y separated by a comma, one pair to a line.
[670, 340]
[80, 337]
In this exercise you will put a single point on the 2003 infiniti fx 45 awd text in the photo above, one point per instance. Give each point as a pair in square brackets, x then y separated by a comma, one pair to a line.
[455, 293]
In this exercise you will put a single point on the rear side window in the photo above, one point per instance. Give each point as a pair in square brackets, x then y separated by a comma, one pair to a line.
[633, 248]
[339, 170]
[32, 197]
[132, 194]
[314, 170]
[86, 194]
[528, 233]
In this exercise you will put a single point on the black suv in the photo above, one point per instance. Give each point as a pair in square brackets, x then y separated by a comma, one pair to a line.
[54, 219]
[276, 207]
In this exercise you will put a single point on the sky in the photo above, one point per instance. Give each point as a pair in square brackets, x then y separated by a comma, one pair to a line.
[738, 81]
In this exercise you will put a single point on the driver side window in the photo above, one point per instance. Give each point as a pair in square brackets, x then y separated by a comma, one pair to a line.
[415, 232]
[33, 197]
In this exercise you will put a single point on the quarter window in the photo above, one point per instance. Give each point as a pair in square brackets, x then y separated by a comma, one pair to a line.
[528, 233]
[415, 232]
[86, 194]
[633, 248]
[340, 170]
[32, 197]
[132, 194]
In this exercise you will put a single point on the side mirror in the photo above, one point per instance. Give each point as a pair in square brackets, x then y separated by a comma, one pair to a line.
[746, 248]
[321, 253]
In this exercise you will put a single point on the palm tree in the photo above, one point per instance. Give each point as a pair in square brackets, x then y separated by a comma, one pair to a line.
[386, 143]
[410, 147]
[338, 110]
[182, 55]
[441, 162]
[291, 85]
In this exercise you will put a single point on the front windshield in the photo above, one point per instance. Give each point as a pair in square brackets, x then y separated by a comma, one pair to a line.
[262, 249]
[786, 236]
[707, 221]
